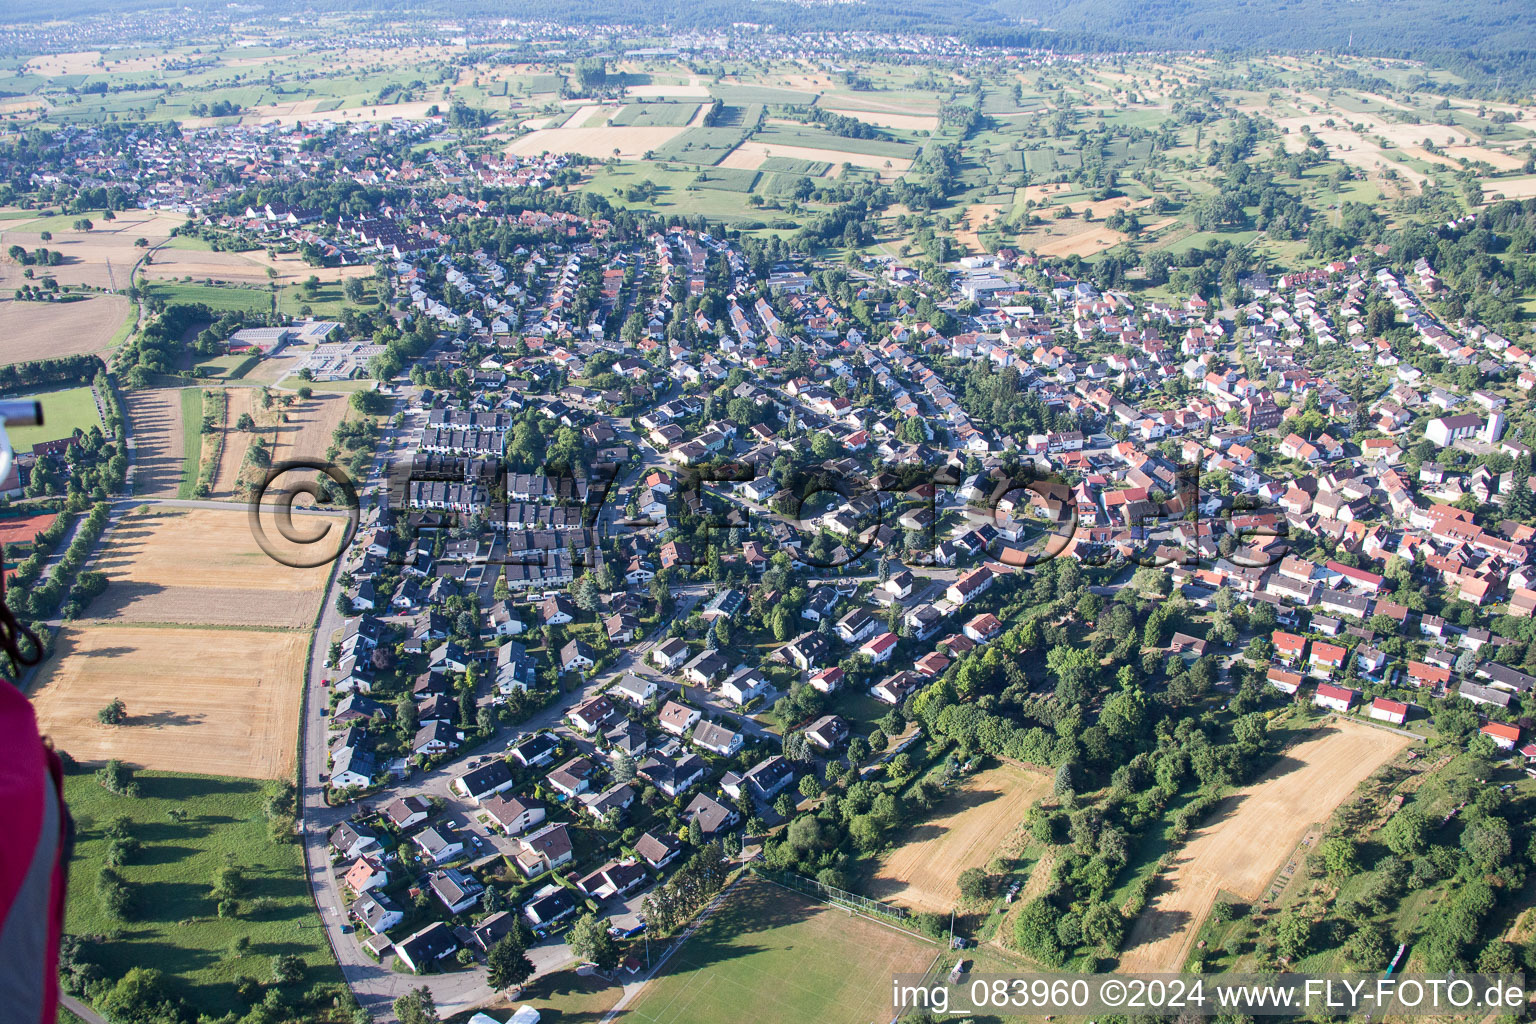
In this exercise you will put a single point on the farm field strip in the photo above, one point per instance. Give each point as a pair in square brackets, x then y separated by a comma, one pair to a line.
[203, 567]
[155, 424]
[48, 330]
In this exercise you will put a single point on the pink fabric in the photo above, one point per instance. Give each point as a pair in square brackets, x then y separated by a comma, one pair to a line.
[27, 771]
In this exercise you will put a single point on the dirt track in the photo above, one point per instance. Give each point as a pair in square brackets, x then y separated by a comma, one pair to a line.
[1248, 837]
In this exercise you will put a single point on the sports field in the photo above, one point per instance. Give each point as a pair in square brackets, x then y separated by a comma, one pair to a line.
[63, 410]
[219, 701]
[968, 829]
[203, 567]
[1248, 837]
[772, 956]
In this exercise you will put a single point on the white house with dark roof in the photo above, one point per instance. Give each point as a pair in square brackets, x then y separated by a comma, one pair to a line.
[716, 739]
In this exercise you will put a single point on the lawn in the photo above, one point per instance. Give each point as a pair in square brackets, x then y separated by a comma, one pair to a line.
[63, 411]
[175, 927]
[773, 956]
[328, 300]
[563, 997]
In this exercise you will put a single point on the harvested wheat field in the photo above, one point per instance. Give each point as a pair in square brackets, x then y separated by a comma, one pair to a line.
[86, 253]
[1509, 188]
[1249, 836]
[630, 143]
[311, 423]
[203, 567]
[210, 701]
[306, 434]
[249, 267]
[155, 426]
[750, 156]
[976, 216]
[901, 122]
[48, 330]
[971, 827]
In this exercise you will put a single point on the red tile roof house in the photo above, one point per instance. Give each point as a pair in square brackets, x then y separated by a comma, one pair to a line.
[970, 585]
[1504, 736]
[1393, 711]
[983, 627]
[593, 715]
[1339, 698]
[880, 648]
[827, 680]
[1288, 646]
[366, 874]
[931, 665]
[1327, 659]
[1362, 580]
[1432, 676]
[1285, 682]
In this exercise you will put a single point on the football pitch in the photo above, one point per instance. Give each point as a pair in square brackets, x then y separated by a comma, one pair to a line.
[773, 956]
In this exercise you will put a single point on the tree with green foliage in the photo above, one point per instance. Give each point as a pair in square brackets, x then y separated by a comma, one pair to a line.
[589, 940]
[508, 964]
[287, 969]
[1340, 857]
[114, 713]
[417, 1007]
[141, 996]
[1034, 931]
[117, 895]
[1406, 834]
[1293, 933]
[117, 777]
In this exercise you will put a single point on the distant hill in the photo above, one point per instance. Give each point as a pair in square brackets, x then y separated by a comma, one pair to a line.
[1494, 29]
[1399, 28]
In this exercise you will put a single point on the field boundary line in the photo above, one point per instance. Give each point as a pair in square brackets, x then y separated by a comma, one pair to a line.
[1377, 725]
[843, 906]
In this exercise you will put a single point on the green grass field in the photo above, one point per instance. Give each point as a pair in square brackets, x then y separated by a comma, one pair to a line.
[327, 301]
[813, 138]
[191, 439]
[791, 165]
[743, 94]
[63, 411]
[772, 956]
[727, 179]
[655, 115]
[176, 928]
[190, 243]
[215, 297]
[700, 145]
